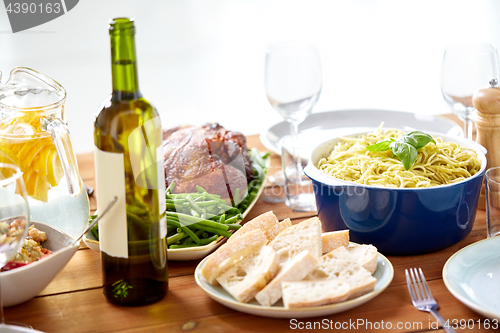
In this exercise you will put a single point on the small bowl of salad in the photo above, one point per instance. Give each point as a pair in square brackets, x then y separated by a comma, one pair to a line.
[44, 254]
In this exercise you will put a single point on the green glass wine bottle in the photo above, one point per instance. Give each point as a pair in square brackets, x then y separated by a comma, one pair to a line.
[129, 165]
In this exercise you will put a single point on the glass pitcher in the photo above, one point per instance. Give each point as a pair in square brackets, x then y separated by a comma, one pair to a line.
[34, 136]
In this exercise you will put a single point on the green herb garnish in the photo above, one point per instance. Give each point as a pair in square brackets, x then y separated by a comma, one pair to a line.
[405, 147]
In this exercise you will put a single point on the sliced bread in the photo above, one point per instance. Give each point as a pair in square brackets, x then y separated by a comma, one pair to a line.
[365, 255]
[262, 222]
[230, 253]
[272, 232]
[314, 293]
[250, 275]
[331, 267]
[299, 237]
[334, 239]
[295, 270]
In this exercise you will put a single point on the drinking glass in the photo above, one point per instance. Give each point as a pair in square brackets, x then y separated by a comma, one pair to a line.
[466, 67]
[299, 193]
[293, 82]
[14, 222]
[492, 187]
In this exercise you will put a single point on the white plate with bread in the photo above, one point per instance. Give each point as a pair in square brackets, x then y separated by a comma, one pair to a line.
[276, 269]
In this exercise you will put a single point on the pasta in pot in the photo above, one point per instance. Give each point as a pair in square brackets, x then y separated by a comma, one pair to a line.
[437, 164]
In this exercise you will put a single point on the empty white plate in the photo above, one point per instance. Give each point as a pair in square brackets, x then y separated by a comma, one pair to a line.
[472, 275]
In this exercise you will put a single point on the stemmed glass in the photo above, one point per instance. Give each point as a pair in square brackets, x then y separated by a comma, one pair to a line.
[466, 67]
[14, 222]
[293, 82]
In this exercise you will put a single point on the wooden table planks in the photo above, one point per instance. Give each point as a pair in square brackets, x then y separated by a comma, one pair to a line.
[74, 302]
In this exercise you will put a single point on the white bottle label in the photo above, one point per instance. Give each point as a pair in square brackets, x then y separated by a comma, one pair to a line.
[113, 239]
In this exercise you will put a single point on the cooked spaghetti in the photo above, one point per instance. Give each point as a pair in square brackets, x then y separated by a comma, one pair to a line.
[436, 164]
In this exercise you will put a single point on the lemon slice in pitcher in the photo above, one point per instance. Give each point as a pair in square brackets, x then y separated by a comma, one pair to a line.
[43, 173]
[37, 185]
[54, 168]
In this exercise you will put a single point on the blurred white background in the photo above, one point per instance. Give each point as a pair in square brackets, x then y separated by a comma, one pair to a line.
[203, 60]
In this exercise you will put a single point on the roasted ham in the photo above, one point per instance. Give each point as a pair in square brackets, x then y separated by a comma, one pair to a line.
[209, 156]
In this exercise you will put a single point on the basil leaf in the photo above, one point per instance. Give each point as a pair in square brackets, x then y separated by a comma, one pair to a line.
[381, 145]
[420, 138]
[405, 138]
[406, 153]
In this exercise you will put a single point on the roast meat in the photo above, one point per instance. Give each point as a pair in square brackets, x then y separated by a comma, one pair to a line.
[209, 156]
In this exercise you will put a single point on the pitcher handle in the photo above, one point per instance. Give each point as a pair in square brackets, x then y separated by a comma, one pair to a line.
[60, 135]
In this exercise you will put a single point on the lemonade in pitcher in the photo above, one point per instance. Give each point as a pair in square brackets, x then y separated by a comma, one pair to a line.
[34, 137]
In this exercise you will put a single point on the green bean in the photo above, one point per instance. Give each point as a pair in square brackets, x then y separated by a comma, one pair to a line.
[180, 246]
[199, 199]
[213, 230]
[188, 240]
[209, 203]
[194, 205]
[222, 218]
[171, 229]
[193, 212]
[175, 238]
[190, 220]
[257, 158]
[191, 234]
[233, 226]
[224, 206]
[233, 219]
[174, 223]
[209, 240]
[183, 195]
[212, 196]
[236, 196]
[170, 187]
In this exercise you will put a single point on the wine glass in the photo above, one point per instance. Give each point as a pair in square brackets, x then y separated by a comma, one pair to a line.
[14, 223]
[293, 82]
[466, 67]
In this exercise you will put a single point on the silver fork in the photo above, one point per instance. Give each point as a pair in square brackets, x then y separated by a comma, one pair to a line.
[421, 296]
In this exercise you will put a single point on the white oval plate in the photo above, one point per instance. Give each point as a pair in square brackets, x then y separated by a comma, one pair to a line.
[322, 126]
[383, 274]
[472, 275]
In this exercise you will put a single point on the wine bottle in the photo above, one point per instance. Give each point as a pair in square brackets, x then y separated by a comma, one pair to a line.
[129, 164]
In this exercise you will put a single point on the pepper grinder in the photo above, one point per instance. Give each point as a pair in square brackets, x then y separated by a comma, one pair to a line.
[487, 104]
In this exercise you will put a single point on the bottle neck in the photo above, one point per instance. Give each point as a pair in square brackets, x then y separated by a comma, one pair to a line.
[123, 63]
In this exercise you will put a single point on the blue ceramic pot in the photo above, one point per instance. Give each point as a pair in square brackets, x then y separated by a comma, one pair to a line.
[398, 221]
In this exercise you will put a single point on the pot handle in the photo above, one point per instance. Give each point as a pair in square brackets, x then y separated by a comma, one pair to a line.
[60, 135]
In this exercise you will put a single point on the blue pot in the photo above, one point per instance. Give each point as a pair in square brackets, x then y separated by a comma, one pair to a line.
[398, 221]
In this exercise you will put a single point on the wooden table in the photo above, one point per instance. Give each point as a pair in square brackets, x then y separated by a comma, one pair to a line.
[74, 301]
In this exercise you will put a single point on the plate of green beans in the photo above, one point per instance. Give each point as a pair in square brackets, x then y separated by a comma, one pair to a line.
[198, 222]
